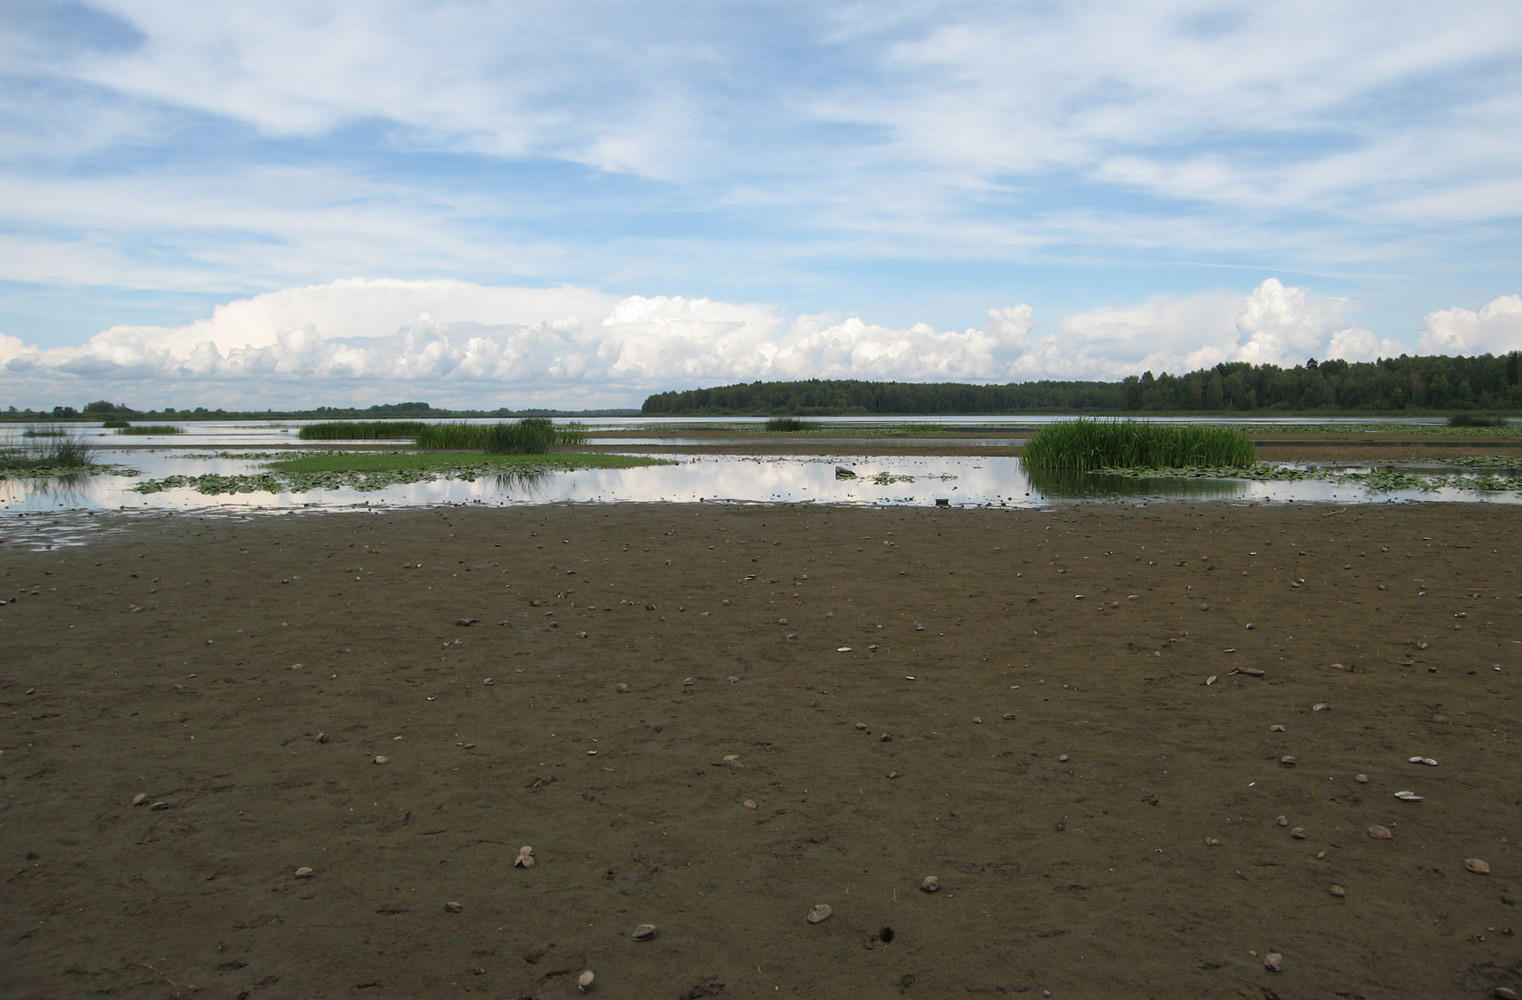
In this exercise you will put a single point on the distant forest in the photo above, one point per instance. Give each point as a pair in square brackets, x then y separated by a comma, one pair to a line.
[1439, 382]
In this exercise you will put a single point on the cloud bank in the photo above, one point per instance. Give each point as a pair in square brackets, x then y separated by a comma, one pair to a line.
[465, 345]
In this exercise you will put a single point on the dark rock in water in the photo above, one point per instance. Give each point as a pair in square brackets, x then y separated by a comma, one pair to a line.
[841, 472]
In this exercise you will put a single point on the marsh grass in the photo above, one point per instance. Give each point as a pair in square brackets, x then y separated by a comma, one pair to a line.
[143, 430]
[1128, 444]
[361, 430]
[59, 449]
[788, 425]
[1475, 420]
[115, 424]
[531, 436]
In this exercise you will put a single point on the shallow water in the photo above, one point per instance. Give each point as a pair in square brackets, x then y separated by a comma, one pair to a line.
[236, 447]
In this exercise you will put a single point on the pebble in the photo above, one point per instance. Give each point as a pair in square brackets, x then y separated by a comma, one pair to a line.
[1477, 866]
[453, 907]
[819, 912]
[644, 932]
[584, 980]
[1063, 758]
[1274, 962]
[1362, 779]
[1212, 841]
[1380, 832]
[749, 803]
[930, 883]
[621, 687]
[862, 726]
[302, 872]
[1338, 891]
[382, 759]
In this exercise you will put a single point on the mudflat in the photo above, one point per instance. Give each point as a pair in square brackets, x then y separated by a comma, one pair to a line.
[1127, 741]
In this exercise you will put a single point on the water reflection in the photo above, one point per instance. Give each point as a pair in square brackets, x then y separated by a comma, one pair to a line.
[1071, 484]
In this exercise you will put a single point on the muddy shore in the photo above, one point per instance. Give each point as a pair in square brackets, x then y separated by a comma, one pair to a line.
[823, 705]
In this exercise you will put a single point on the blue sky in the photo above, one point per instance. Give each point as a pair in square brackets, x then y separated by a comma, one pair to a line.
[579, 203]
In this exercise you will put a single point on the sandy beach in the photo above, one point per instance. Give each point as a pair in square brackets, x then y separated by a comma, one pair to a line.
[1126, 740]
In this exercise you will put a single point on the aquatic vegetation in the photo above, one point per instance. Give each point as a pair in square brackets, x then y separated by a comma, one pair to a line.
[1382, 479]
[530, 436]
[1128, 444]
[368, 471]
[150, 429]
[360, 430]
[1475, 420]
[59, 450]
[115, 424]
[789, 425]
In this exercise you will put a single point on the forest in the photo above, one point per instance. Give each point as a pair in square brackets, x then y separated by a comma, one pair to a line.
[1391, 385]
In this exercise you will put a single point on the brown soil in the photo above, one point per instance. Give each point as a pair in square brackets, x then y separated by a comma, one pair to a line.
[1108, 829]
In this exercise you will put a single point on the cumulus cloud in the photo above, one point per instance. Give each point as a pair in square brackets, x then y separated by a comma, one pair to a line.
[460, 344]
[1495, 329]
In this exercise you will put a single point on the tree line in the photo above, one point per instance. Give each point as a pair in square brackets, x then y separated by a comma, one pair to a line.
[1437, 382]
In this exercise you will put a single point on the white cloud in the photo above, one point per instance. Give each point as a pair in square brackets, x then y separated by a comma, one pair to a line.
[1495, 329]
[465, 345]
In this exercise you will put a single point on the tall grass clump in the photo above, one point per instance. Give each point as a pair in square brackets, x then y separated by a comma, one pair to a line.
[785, 424]
[144, 429]
[62, 450]
[1127, 444]
[116, 424]
[530, 436]
[360, 430]
[1475, 420]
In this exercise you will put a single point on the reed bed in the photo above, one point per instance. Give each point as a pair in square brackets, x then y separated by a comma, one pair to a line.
[788, 425]
[361, 430]
[149, 429]
[1128, 444]
[58, 450]
[531, 436]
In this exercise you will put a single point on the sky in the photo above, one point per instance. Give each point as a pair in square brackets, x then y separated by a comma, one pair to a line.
[489, 203]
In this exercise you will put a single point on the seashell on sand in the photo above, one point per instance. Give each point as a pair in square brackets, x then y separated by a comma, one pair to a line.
[1408, 796]
[1477, 866]
[1274, 962]
[819, 912]
[1281, 821]
[525, 850]
[1362, 779]
[1298, 833]
[1287, 761]
[1338, 891]
[930, 883]
[382, 759]
[139, 798]
[302, 872]
[749, 803]
[644, 932]
[584, 980]
[1212, 841]
[621, 687]
[523, 861]
[452, 907]
[1380, 832]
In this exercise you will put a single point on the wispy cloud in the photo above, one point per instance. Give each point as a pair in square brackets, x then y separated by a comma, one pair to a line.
[834, 158]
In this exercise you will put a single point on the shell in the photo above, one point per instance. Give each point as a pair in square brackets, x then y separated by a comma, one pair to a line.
[1477, 866]
[1338, 891]
[1274, 962]
[584, 980]
[1408, 796]
[644, 932]
[525, 851]
[1380, 832]
[819, 912]
[302, 872]
[930, 883]
[523, 861]
[381, 759]
[453, 907]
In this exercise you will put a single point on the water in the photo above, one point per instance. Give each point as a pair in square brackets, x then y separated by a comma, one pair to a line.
[226, 447]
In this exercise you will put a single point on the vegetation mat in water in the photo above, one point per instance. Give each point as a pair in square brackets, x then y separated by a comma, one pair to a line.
[371, 471]
[1127, 444]
[361, 430]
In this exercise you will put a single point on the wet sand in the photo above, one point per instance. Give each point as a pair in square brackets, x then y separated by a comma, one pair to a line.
[1016, 702]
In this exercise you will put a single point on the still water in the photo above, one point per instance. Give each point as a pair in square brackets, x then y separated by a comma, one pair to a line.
[235, 447]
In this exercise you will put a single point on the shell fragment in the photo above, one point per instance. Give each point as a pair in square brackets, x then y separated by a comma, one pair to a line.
[1408, 796]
